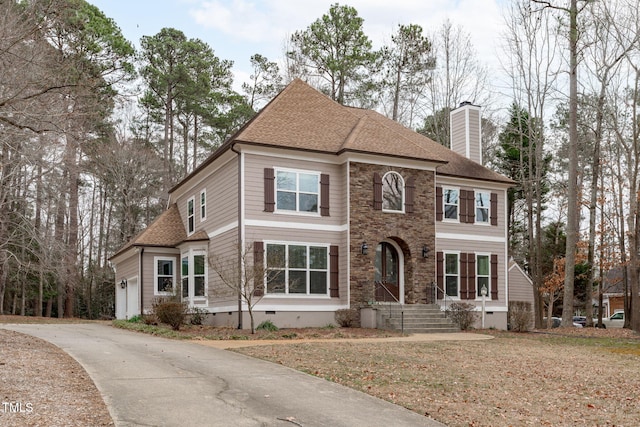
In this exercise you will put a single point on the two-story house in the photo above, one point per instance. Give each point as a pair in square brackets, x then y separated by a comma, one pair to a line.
[348, 208]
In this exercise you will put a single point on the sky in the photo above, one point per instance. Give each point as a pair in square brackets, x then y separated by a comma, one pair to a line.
[237, 29]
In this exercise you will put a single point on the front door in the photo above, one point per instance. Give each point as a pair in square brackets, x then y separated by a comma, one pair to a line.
[387, 276]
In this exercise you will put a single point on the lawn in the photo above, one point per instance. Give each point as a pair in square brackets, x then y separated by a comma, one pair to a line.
[567, 378]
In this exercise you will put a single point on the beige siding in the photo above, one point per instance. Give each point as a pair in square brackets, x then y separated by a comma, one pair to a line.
[307, 237]
[485, 230]
[221, 198]
[480, 247]
[254, 190]
[148, 284]
[520, 286]
[224, 248]
[458, 133]
[474, 136]
[127, 268]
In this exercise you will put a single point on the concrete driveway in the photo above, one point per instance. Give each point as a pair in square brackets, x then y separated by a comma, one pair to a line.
[151, 381]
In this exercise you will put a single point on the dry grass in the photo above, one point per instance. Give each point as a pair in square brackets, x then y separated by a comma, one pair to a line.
[40, 385]
[565, 378]
[568, 377]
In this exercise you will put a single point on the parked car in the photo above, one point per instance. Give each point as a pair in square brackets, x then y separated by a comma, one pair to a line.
[557, 321]
[582, 320]
[616, 320]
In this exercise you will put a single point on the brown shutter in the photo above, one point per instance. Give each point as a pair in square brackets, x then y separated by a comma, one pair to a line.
[269, 190]
[334, 272]
[471, 207]
[472, 284]
[324, 195]
[462, 206]
[494, 209]
[440, 275]
[258, 264]
[464, 277]
[377, 191]
[409, 194]
[438, 203]
[494, 277]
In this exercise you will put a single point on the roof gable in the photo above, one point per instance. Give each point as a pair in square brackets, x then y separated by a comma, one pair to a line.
[167, 230]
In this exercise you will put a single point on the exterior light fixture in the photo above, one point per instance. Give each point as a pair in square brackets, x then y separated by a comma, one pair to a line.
[364, 249]
[123, 283]
[425, 251]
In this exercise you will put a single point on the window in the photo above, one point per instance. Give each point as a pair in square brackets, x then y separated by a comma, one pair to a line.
[297, 269]
[483, 200]
[451, 274]
[190, 216]
[164, 276]
[185, 277]
[203, 205]
[198, 276]
[392, 192]
[194, 273]
[297, 191]
[450, 201]
[483, 274]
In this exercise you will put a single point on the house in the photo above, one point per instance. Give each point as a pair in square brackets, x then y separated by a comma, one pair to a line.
[363, 210]
[520, 286]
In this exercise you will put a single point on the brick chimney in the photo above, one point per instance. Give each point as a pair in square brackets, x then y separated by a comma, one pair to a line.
[464, 124]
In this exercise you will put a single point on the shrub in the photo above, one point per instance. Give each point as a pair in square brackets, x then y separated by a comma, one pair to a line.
[520, 316]
[347, 317]
[135, 319]
[171, 311]
[267, 325]
[197, 315]
[462, 314]
[150, 319]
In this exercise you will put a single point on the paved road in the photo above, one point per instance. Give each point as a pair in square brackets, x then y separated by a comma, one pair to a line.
[151, 381]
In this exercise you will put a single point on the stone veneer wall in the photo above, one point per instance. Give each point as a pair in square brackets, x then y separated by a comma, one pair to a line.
[409, 231]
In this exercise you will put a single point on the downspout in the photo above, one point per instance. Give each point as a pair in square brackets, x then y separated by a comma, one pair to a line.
[141, 282]
[240, 228]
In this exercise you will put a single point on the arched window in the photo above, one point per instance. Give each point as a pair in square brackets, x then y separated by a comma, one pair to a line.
[392, 192]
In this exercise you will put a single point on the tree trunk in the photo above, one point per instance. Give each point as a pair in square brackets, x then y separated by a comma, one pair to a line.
[572, 182]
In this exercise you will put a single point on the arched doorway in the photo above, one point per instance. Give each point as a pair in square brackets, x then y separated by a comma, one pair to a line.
[389, 273]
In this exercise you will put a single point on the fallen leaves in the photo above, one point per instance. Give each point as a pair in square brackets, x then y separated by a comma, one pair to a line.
[513, 380]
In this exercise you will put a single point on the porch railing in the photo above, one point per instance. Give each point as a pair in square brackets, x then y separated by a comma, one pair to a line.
[445, 297]
[385, 296]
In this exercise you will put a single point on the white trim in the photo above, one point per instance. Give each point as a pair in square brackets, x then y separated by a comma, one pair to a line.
[401, 210]
[307, 295]
[444, 211]
[475, 207]
[475, 285]
[297, 192]
[467, 135]
[203, 192]
[284, 307]
[155, 275]
[191, 199]
[192, 299]
[296, 225]
[224, 228]
[347, 228]
[444, 274]
[401, 261]
[290, 153]
[470, 237]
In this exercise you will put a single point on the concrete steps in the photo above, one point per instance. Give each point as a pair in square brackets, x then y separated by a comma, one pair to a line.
[417, 319]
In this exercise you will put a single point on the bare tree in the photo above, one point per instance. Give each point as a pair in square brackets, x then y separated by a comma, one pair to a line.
[246, 273]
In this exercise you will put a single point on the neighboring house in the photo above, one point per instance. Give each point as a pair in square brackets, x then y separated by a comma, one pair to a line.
[520, 286]
[361, 207]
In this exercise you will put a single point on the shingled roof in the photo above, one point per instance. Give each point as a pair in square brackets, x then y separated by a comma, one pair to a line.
[302, 118]
[167, 230]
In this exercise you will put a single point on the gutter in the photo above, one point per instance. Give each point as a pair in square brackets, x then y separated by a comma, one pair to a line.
[240, 228]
